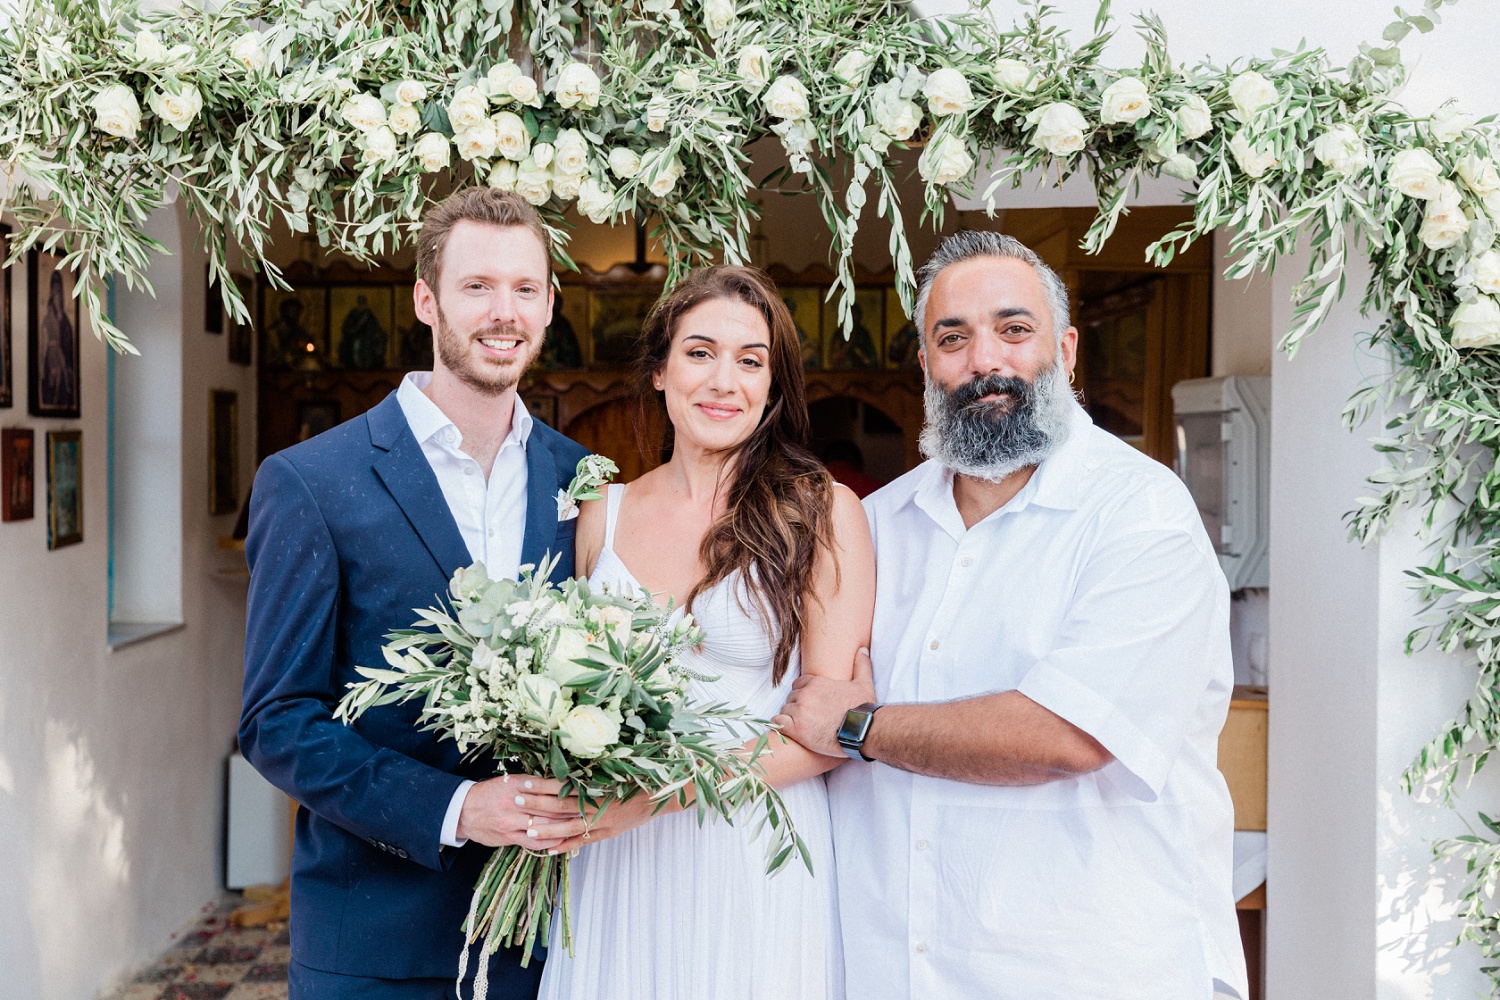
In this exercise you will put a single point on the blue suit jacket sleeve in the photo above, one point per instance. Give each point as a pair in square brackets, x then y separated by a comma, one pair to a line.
[287, 729]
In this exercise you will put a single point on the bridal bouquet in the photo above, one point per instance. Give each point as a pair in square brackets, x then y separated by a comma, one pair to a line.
[585, 685]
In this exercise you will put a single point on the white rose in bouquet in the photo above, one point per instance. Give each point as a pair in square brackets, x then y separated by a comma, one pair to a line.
[754, 67]
[477, 143]
[432, 151]
[1448, 122]
[1253, 160]
[1194, 118]
[1060, 128]
[896, 116]
[503, 176]
[249, 52]
[177, 109]
[787, 99]
[613, 619]
[534, 183]
[1414, 173]
[624, 163]
[363, 111]
[523, 90]
[1478, 174]
[542, 700]
[1015, 76]
[571, 152]
[496, 83]
[1487, 272]
[511, 138]
[405, 120]
[542, 153]
[148, 49]
[1180, 166]
[411, 92]
[1341, 150]
[1125, 101]
[379, 145]
[117, 112]
[657, 114]
[589, 731]
[685, 80]
[1444, 222]
[572, 644]
[718, 15]
[947, 93]
[1250, 92]
[566, 186]
[661, 172]
[468, 108]
[945, 160]
[1476, 323]
[596, 200]
[853, 68]
[578, 86]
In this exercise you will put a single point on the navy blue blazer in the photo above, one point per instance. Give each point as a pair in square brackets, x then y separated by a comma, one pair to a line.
[348, 533]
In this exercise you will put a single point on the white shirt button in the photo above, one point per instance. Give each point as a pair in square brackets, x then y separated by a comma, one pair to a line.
[468, 470]
[933, 645]
[921, 949]
[966, 561]
[492, 532]
[921, 845]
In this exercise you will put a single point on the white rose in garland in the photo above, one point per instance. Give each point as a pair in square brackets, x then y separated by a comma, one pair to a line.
[477, 143]
[853, 68]
[1487, 272]
[523, 90]
[411, 92]
[1476, 323]
[1250, 92]
[512, 140]
[624, 163]
[1415, 174]
[589, 731]
[1060, 128]
[1341, 150]
[660, 171]
[542, 153]
[503, 177]
[658, 112]
[117, 112]
[1448, 122]
[249, 52]
[754, 67]
[578, 86]
[534, 183]
[1125, 101]
[1015, 76]
[596, 200]
[718, 16]
[1444, 222]
[571, 152]
[787, 99]
[1194, 118]
[1252, 159]
[468, 108]
[566, 186]
[177, 106]
[379, 146]
[945, 160]
[685, 80]
[1479, 175]
[496, 84]
[148, 49]
[364, 112]
[405, 120]
[947, 93]
[432, 151]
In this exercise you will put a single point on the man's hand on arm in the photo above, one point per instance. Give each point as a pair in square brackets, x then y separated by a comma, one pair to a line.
[519, 809]
[816, 707]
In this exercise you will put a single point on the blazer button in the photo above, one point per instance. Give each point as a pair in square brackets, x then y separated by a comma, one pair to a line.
[401, 854]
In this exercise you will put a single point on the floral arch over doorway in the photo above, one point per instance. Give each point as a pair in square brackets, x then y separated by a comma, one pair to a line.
[343, 117]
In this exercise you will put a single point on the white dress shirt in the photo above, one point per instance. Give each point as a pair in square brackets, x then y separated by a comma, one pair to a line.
[1095, 593]
[490, 513]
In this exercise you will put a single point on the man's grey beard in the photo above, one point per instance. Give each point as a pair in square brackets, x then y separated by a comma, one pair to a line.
[992, 440]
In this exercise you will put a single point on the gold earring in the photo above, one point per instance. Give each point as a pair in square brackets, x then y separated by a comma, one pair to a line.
[1072, 377]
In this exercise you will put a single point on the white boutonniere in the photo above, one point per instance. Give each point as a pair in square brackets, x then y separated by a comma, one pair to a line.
[594, 471]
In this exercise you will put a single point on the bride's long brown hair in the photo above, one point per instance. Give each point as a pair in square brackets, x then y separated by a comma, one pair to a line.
[779, 506]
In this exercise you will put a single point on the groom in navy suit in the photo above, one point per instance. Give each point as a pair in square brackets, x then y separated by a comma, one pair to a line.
[349, 532]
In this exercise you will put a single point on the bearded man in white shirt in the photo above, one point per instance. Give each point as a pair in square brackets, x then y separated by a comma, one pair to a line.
[1033, 810]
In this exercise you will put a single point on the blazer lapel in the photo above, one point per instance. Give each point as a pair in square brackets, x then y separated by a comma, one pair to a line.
[406, 473]
[541, 502]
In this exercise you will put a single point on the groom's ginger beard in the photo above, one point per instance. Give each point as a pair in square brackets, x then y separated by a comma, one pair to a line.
[990, 439]
[484, 375]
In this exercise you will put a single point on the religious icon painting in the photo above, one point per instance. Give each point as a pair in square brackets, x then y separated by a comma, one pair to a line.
[294, 328]
[359, 326]
[806, 306]
[561, 348]
[7, 354]
[223, 451]
[901, 340]
[240, 339]
[314, 416]
[862, 348]
[412, 339]
[615, 322]
[17, 474]
[64, 488]
[52, 338]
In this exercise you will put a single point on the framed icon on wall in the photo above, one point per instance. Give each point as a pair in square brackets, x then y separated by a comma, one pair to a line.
[52, 337]
[17, 474]
[64, 488]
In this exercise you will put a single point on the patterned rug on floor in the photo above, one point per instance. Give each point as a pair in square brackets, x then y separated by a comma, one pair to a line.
[215, 960]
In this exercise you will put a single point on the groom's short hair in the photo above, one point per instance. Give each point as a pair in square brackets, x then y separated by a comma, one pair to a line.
[484, 205]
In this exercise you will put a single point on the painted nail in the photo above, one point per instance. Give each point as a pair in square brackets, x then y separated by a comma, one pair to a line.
[551, 851]
[528, 784]
[531, 833]
[520, 800]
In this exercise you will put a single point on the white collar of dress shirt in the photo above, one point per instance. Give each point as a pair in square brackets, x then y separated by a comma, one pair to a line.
[1057, 482]
[427, 419]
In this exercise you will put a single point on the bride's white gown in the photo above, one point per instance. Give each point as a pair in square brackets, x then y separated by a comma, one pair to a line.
[677, 911]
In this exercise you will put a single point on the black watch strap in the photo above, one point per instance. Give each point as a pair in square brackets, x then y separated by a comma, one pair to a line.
[856, 729]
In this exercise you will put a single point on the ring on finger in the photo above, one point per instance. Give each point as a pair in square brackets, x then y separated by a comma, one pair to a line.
[529, 821]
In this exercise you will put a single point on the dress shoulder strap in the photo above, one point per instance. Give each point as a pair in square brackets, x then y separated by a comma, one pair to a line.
[614, 492]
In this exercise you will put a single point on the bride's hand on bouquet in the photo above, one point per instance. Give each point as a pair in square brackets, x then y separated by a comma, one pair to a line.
[519, 810]
[615, 820]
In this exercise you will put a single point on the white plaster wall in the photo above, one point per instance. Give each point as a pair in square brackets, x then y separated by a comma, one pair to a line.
[111, 764]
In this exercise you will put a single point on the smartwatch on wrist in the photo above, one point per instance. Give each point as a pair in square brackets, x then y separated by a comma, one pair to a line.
[854, 730]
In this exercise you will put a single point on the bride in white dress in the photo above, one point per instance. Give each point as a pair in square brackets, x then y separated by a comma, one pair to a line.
[665, 908]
